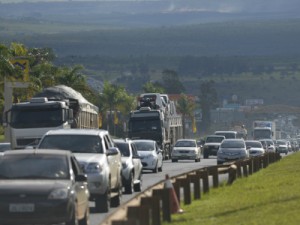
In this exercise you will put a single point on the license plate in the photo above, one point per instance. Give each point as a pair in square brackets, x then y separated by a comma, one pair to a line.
[21, 207]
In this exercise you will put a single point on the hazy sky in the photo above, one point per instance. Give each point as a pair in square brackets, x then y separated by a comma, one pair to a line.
[212, 5]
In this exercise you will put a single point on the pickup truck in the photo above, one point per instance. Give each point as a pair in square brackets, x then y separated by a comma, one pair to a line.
[211, 145]
[95, 151]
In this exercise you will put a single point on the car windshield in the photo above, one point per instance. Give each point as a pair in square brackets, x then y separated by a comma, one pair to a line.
[232, 144]
[145, 146]
[226, 135]
[185, 144]
[34, 167]
[214, 139]
[253, 144]
[124, 148]
[281, 143]
[74, 143]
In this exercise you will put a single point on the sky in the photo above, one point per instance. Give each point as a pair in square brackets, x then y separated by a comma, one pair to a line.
[210, 5]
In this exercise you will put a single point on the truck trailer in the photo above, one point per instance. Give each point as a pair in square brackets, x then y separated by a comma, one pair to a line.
[264, 130]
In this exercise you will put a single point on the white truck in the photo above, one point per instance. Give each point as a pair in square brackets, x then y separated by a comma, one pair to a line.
[57, 107]
[264, 130]
[150, 121]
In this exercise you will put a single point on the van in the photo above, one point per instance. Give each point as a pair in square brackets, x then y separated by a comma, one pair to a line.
[228, 134]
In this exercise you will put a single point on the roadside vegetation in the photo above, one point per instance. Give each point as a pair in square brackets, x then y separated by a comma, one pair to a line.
[270, 196]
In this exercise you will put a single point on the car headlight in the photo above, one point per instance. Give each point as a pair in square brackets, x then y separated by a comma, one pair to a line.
[220, 151]
[59, 194]
[94, 168]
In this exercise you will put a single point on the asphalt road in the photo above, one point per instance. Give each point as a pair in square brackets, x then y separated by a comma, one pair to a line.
[150, 178]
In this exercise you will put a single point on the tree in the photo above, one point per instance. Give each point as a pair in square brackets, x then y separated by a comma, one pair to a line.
[171, 82]
[186, 107]
[153, 88]
[208, 100]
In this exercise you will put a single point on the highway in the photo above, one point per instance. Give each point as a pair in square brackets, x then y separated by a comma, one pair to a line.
[150, 178]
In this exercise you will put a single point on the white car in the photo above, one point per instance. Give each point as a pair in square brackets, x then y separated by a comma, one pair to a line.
[98, 157]
[186, 149]
[131, 165]
[282, 146]
[150, 154]
[254, 147]
[269, 145]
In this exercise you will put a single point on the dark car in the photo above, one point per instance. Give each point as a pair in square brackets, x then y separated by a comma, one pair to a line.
[42, 187]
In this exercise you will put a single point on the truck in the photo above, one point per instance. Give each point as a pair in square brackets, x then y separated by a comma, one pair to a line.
[57, 107]
[264, 130]
[151, 121]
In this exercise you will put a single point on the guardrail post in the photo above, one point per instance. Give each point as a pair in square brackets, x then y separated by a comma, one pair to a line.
[266, 161]
[245, 167]
[232, 173]
[164, 195]
[250, 164]
[139, 213]
[176, 186]
[213, 170]
[153, 203]
[195, 179]
[205, 181]
[185, 183]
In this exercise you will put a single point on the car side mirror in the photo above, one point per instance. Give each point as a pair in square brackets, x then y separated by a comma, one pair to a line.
[112, 151]
[81, 178]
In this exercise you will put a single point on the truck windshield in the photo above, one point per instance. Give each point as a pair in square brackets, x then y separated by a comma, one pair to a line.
[261, 134]
[36, 117]
[144, 125]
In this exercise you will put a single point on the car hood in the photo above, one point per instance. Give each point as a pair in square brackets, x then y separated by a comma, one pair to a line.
[36, 187]
[232, 149]
[89, 157]
[256, 149]
[145, 153]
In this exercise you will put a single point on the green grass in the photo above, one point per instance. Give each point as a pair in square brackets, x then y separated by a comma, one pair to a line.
[271, 196]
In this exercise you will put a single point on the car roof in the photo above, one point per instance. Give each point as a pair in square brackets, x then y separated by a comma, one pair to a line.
[77, 132]
[37, 152]
[215, 135]
[186, 139]
[225, 131]
[234, 139]
[143, 140]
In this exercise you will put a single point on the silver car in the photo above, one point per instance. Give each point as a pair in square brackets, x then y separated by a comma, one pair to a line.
[232, 150]
[255, 147]
[186, 149]
[131, 165]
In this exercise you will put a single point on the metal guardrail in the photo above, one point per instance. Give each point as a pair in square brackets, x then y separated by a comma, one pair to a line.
[153, 206]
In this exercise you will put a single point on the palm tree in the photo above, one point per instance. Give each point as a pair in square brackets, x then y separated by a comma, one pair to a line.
[186, 107]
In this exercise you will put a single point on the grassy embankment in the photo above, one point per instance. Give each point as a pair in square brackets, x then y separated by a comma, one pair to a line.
[270, 196]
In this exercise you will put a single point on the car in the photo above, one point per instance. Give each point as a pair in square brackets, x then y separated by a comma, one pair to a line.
[42, 187]
[150, 154]
[131, 165]
[211, 145]
[255, 147]
[99, 158]
[268, 145]
[186, 149]
[232, 150]
[282, 146]
[227, 133]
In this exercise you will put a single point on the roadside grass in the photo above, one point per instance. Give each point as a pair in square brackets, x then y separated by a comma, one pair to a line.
[270, 196]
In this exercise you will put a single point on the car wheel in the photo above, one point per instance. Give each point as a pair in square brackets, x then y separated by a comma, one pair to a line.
[174, 160]
[129, 185]
[160, 168]
[116, 200]
[73, 220]
[138, 186]
[102, 202]
[86, 219]
[155, 170]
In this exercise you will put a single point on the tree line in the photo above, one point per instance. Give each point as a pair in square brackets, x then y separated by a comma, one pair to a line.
[114, 101]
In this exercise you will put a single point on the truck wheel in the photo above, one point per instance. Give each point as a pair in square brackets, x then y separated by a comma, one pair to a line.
[129, 185]
[205, 155]
[102, 202]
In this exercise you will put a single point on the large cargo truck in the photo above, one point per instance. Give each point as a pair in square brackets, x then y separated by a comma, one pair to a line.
[264, 130]
[151, 121]
[57, 107]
